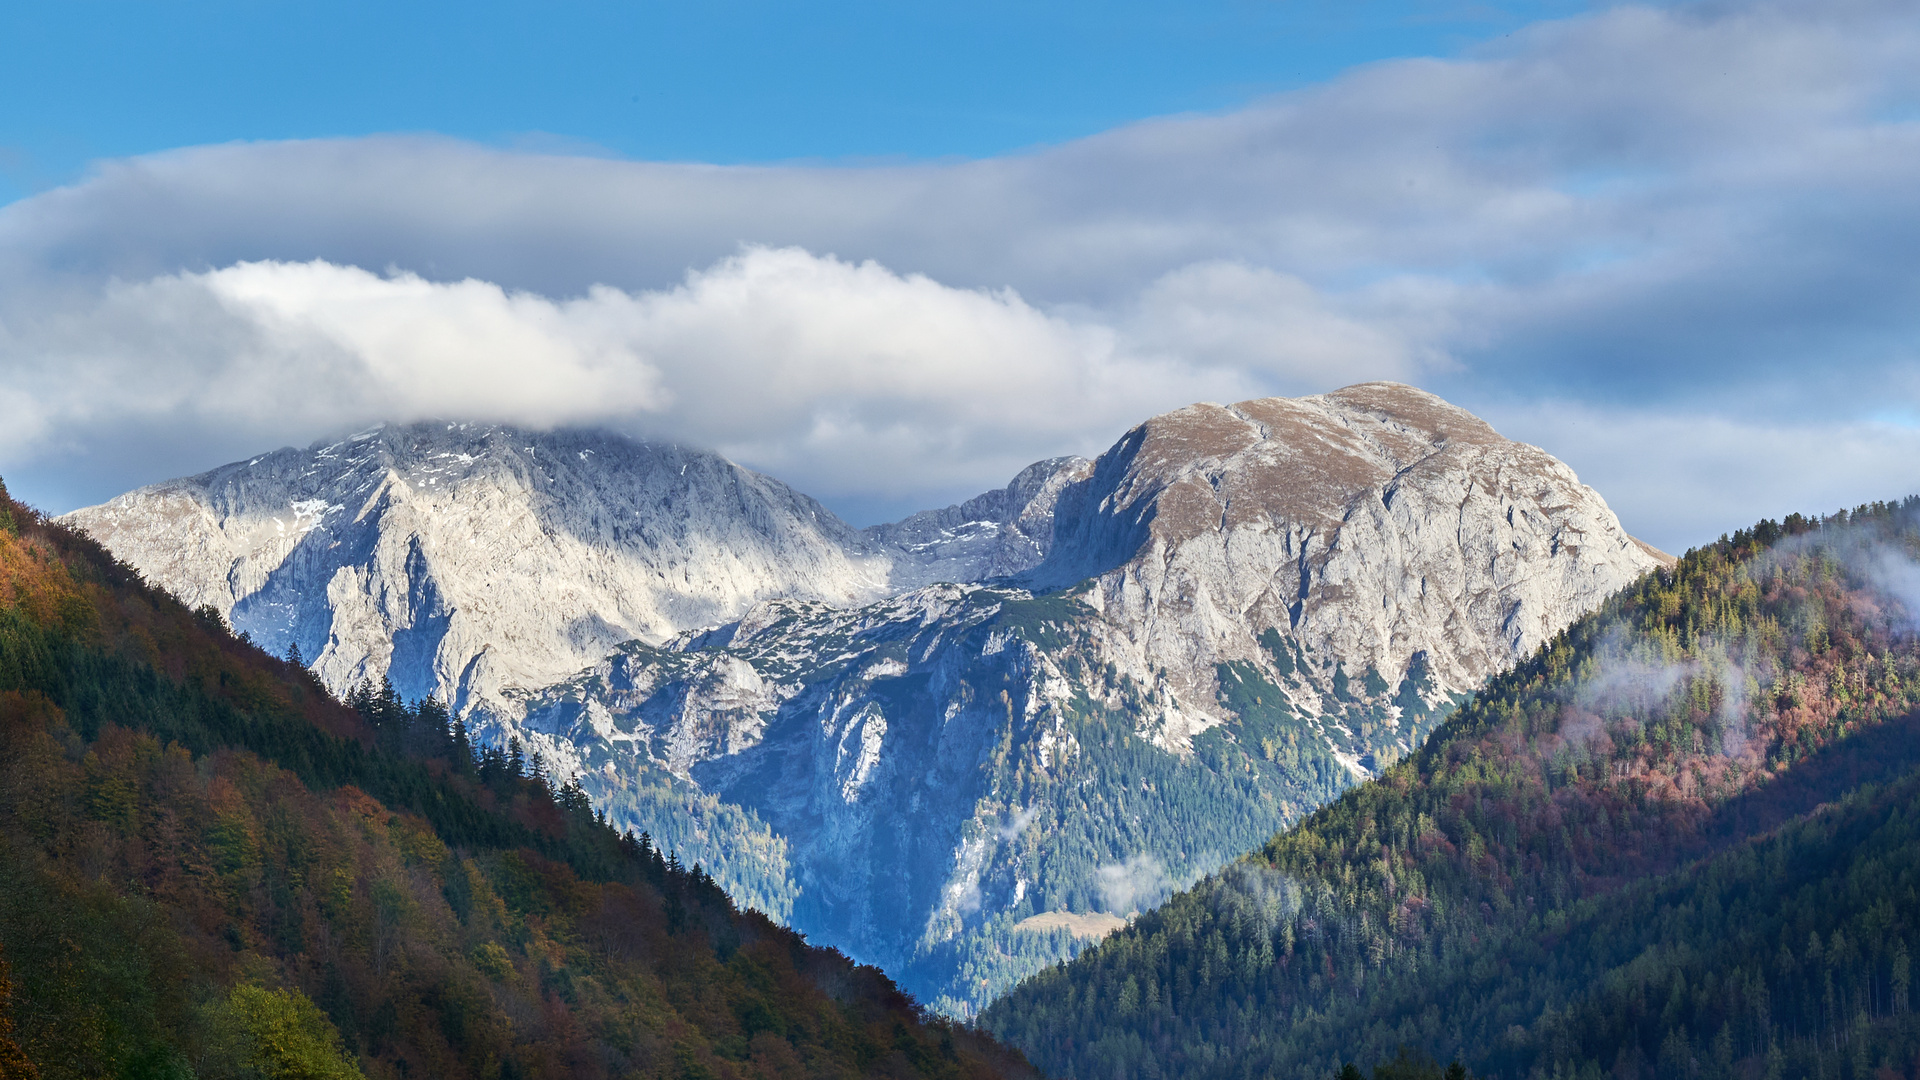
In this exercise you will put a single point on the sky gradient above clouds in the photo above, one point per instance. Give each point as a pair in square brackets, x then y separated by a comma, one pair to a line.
[1674, 246]
[727, 81]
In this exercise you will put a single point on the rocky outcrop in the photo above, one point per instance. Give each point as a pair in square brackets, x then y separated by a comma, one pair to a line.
[998, 534]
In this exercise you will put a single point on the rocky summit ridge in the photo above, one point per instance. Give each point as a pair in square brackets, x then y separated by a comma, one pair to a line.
[1373, 526]
[463, 559]
[925, 742]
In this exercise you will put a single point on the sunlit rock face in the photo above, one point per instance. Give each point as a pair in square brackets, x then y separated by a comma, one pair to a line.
[461, 559]
[912, 741]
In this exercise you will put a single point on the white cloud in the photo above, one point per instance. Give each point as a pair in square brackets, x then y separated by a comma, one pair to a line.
[1233, 315]
[309, 347]
[358, 341]
[1680, 479]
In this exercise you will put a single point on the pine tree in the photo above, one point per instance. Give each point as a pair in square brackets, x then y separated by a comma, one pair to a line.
[1902, 978]
[462, 748]
[360, 700]
[432, 728]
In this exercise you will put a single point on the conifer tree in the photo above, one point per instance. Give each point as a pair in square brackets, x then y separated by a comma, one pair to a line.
[463, 761]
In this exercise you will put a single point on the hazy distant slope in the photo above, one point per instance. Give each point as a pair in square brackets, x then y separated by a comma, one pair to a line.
[1521, 892]
[998, 534]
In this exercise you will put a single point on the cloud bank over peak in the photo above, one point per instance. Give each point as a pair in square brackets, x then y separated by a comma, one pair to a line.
[1694, 221]
[846, 379]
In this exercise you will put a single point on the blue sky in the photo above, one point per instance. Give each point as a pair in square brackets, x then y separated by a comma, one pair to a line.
[893, 253]
[725, 81]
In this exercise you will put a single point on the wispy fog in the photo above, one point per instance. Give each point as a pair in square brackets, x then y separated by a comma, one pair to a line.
[1137, 884]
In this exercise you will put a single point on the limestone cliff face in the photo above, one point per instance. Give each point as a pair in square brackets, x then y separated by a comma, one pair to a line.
[1067, 695]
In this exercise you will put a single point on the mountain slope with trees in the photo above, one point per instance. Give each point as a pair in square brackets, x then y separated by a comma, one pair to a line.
[1681, 840]
[209, 867]
[1235, 613]
[1244, 610]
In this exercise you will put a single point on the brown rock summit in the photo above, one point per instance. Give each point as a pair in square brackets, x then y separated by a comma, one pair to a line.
[1370, 525]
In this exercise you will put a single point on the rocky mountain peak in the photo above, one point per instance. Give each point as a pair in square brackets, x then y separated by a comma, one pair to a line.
[463, 559]
[1372, 524]
[1151, 661]
[1207, 468]
[1002, 532]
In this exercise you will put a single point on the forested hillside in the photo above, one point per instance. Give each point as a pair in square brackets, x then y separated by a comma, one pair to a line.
[1683, 840]
[209, 867]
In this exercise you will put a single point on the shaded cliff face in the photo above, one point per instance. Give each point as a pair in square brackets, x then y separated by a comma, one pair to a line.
[917, 780]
